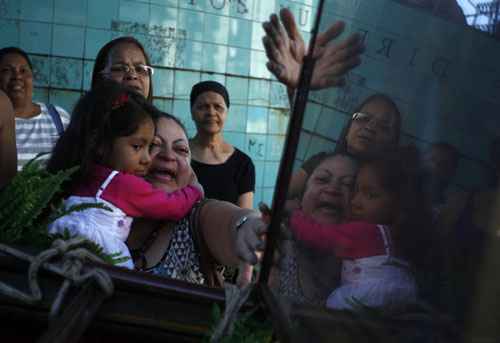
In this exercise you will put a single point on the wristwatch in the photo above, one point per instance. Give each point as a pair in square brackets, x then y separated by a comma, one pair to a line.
[240, 223]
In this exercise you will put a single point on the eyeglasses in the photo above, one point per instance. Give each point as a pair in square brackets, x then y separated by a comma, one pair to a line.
[122, 69]
[365, 118]
[11, 70]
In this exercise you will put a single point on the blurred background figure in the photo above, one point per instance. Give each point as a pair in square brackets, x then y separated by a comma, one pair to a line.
[440, 167]
[225, 172]
[38, 125]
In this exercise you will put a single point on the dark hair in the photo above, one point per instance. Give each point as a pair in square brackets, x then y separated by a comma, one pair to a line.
[14, 50]
[318, 159]
[342, 141]
[108, 111]
[174, 118]
[400, 175]
[102, 60]
[208, 86]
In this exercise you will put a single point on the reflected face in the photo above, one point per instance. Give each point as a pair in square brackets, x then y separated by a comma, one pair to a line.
[16, 78]
[170, 169]
[128, 54]
[209, 112]
[373, 131]
[371, 202]
[329, 189]
[131, 154]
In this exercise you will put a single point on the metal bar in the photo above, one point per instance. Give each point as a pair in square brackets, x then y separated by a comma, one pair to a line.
[291, 143]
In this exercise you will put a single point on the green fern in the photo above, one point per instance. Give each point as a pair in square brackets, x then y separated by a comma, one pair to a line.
[25, 201]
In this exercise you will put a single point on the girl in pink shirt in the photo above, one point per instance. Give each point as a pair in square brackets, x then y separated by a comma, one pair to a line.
[110, 137]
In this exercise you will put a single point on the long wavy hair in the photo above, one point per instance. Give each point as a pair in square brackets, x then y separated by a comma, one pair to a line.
[400, 174]
[108, 111]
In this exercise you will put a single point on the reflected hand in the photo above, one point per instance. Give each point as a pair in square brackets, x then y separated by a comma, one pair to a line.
[285, 49]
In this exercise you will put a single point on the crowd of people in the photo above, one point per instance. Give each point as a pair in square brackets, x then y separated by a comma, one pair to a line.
[368, 221]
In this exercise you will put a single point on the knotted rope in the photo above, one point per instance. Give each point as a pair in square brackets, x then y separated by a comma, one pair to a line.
[71, 253]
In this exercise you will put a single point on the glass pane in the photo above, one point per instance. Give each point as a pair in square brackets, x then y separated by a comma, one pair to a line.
[393, 202]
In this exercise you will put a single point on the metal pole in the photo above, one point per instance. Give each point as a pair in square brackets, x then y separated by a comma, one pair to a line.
[291, 143]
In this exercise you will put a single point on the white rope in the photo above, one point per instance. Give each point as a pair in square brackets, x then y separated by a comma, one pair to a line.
[71, 254]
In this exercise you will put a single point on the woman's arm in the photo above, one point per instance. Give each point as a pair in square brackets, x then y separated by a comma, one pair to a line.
[138, 198]
[245, 200]
[8, 152]
[229, 245]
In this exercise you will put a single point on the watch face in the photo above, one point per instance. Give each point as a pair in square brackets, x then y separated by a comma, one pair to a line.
[240, 222]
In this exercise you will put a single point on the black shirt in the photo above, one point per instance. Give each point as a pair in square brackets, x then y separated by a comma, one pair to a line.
[227, 181]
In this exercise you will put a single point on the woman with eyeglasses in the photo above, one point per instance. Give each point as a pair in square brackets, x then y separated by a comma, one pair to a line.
[38, 125]
[373, 129]
[125, 61]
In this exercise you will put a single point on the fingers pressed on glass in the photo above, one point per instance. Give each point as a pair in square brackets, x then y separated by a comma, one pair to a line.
[353, 40]
[275, 69]
[289, 24]
[331, 33]
[276, 32]
[271, 49]
[343, 55]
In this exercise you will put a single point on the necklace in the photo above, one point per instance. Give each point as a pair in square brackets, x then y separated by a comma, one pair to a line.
[139, 254]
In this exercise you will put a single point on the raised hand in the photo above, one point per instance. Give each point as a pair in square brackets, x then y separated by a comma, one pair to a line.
[285, 49]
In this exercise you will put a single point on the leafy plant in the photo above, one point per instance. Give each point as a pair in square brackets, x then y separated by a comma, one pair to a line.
[248, 328]
[28, 204]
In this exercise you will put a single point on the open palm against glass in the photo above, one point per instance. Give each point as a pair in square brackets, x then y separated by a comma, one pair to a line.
[285, 49]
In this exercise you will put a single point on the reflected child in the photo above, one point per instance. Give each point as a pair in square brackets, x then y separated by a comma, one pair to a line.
[381, 244]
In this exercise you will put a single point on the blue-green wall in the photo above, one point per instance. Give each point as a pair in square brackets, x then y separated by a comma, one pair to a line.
[188, 41]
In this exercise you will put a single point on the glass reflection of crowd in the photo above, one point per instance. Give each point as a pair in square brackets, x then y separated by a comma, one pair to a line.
[388, 227]
[372, 221]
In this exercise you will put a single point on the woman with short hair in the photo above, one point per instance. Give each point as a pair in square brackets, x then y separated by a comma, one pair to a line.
[224, 171]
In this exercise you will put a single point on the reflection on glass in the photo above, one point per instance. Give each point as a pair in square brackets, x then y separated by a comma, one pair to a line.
[394, 207]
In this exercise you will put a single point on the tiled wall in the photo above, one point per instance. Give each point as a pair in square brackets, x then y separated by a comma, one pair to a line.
[188, 41]
[443, 77]
[193, 40]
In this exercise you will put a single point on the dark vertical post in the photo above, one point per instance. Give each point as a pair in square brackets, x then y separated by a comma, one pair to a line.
[291, 143]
